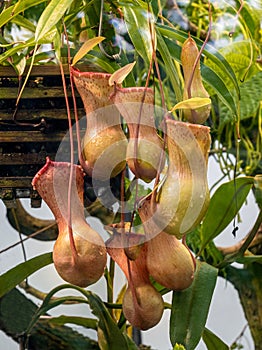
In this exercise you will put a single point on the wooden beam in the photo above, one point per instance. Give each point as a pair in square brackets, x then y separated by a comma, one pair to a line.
[24, 158]
[46, 70]
[16, 182]
[7, 93]
[37, 114]
[31, 136]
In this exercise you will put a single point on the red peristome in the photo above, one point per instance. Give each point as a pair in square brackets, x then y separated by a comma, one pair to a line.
[97, 75]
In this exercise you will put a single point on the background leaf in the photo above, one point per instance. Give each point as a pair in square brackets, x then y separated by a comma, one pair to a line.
[17, 274]
[212, 341]
[109, 335]
[23, 22]
[50, 16]
[171, 72]
[80, 321]
[242, 57]
[190, 307]
[249, 259]
[136, 19]
[224, 206]
[251, 95]
[9, 13]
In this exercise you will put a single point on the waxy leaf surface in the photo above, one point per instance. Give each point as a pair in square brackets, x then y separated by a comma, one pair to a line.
[17, 274]
[190, 307]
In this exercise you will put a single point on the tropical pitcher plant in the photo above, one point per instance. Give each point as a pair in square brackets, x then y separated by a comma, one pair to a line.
[155, 251]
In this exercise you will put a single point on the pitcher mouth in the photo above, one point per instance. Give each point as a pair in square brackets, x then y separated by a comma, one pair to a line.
[98, 75]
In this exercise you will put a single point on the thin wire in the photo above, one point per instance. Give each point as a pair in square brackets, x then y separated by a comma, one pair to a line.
[28, 237]
[71, 174]
[20, 234]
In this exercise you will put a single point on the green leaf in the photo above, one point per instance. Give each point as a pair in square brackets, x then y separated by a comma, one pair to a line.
[109, 335]
[190, 307]
[258, 189]
[171, 72]
[250, 17]
[100, 61]
[20, 66]
[28, 44]
[242, 57]
[11, 278]
[50, 16]
[192, 103]
[209, 254]
[15, 49]
[130, 343]
[251, 95]
[23, 22]
[80, 321]
[42, 56]
[212, 341]
[86, 47]
[218, 85]
[224, 206]
[9, 13]
[209, 76]
[137, 23]
[249, 259]
[57, 42]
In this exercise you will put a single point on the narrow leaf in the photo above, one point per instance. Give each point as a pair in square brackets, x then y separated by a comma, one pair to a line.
[169, 65]
[13, 277]
[23, 22]
[224, 206]
[50, 16]
[249, 259]
[96, 58]
[57, 43]
[119, 76]
[109, 335]
[137, 22]
[28, 44]
[9, 13]
[16, 49]
[190, 307]
[192, 103]
[258, 189]
[20, 66]
[217, 84]
[86, 47]
[212, 341]
[80, 321]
